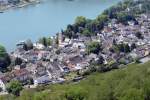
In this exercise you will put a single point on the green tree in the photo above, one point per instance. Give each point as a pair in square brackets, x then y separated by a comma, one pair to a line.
[43, 41]
[14, 87]
[49, 41]
[76, 94]
[18, 61]
[126, 48]
[102, 18]
[2, 51]
[124, 17]
[133, 46]
[4, 59]
[101, 60]
[80, 21]
[139, 35]
[28, 45]
[93, 47]
[46, 41]
[86, 32]
[121, 48]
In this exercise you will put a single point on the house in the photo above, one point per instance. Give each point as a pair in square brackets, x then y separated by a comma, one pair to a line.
[41, 80]
[38, 46]
[21, 75]
[64, 43]
[3, 81]
[55, 70]
[36, 69]
[81, 65]
[76, 62]
[2, 85]
[80, 45]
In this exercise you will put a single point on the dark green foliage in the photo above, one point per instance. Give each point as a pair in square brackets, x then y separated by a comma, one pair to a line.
[76, 93]
[121, 48]
[45, 41]
[124, 17]
[101, 60]
[28, 45]
[80, 21]
[2, 51]
[18, 61]
[86, 32]
[85, 26]
[93, 47]
[139, 35]
[133, 46]
[14, 87]
[126, 48]
[4, 59]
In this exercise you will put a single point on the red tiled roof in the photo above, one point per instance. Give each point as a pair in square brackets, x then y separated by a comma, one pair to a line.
[20, 72]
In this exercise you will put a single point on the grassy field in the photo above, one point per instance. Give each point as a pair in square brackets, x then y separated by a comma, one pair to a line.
[130, 83]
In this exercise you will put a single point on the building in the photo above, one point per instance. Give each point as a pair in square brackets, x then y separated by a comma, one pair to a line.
[41, 80]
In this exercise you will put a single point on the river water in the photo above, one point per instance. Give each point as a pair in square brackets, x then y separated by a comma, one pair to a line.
[45, 19]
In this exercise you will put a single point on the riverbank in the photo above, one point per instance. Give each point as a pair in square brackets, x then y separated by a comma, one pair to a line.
[20, 5]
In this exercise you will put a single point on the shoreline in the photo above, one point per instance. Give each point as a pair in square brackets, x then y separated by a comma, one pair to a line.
[20, 5]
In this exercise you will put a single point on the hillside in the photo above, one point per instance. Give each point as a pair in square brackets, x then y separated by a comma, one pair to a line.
[130, 83]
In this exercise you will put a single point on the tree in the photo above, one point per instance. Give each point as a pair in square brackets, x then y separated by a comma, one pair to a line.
[43, 41]
[133, 46]
[18, 61]
[139, 35]
[57, 40]
[121, 48]
[101, 60]
[4, 59]
[2, 51]
[102, 18]
[80, 21]
[28, 45]
[126, 48]
[46, 41]
[49, 41]
[93, 47]
[76, 93]
[100, 21]
[124, 17]
[14, 87]
[86, 32]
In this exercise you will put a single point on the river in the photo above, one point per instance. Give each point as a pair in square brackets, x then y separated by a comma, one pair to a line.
[45, 19]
